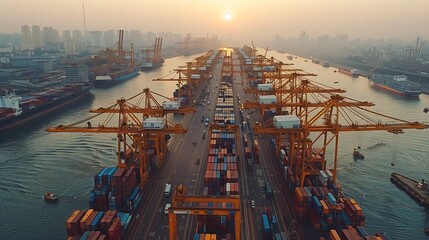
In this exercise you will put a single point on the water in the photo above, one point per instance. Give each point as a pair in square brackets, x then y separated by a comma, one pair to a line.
[33, 161]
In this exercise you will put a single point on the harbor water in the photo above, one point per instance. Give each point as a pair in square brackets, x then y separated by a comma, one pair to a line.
[33, 161]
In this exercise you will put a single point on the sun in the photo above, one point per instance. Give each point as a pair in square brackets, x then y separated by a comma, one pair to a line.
[227, 16]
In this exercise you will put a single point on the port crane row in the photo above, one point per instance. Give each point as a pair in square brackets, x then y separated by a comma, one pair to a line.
[112, 57]
[322, 112]
[133, 138]
[190, 77]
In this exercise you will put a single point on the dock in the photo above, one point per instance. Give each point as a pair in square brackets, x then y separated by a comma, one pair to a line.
[415, 189]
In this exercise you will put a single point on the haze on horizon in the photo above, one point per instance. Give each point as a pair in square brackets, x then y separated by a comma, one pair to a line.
[234, 19]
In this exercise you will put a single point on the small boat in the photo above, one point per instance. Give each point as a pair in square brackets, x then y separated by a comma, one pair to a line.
[50, 197]
[426, 110]
[357, 154]
[427, 230]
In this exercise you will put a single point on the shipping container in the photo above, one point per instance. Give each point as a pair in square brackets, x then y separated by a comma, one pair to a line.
[286, 121]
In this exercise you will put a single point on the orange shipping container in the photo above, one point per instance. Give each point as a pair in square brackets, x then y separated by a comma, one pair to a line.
[82, 221]
[70, 219]
[334, 235]
[298, 194]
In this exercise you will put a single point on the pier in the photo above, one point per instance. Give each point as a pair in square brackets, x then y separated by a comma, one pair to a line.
[417, 190]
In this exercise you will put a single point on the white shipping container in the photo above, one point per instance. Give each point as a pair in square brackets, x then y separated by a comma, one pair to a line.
[170, 105]
[154, 123]
[282, 155]
[323, 177]
[267, 99]
[265, 87]
[195, 76]
[330, 175]
[286, 121]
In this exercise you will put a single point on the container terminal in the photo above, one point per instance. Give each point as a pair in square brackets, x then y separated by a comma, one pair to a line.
[249, 160]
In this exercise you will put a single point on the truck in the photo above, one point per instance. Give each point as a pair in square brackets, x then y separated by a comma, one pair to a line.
[268, 190]
[167, 189]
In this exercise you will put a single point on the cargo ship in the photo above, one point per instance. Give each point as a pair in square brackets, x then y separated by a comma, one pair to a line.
[18, 110]
[396, 83]
[115, 76]
[352, 72]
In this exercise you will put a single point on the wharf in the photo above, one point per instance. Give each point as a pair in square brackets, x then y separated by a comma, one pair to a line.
[418, 191]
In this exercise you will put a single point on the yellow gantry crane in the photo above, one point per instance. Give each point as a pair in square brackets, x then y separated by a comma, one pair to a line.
[183, 204]
[134, 131]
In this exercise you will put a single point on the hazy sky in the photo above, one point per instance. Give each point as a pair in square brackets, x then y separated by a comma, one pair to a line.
[250, 19]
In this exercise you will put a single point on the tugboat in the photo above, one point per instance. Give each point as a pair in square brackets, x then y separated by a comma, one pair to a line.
[357, 154]
[50, 197]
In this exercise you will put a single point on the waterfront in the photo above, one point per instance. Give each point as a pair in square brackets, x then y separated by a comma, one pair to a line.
[34, 161]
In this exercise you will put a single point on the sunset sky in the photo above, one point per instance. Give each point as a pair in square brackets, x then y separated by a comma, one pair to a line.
[234, 18]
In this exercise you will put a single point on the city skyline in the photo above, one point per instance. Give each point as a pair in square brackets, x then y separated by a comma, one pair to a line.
[238, 19]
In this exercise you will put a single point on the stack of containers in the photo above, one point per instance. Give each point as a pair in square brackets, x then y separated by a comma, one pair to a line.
[224, 112]
[115, 191]
[320, 202]
[221, 174]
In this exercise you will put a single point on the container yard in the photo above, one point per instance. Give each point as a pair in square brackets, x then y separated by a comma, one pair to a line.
[254, 158]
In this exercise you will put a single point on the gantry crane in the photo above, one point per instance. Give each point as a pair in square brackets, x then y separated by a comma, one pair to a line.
[132, 134]
[325, 116]
[339, 114]
[155, 54]
[114, 57]
[184, 204]
[188, 79]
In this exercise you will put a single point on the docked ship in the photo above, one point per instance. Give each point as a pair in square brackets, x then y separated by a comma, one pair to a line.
[153, 57]
[119, 68]
[397, 84]
[16, 110]
[115, 76]
[352, 72]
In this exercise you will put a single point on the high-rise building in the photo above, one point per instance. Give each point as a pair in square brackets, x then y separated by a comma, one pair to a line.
[109, 38]
[26, 38]
[51, 37]
[135, 37]
[37, 37]
[69, 45]
[96, 41]
[78, 40]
